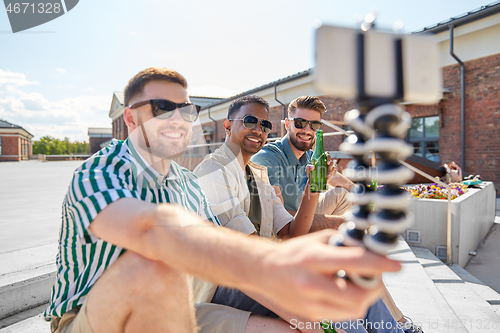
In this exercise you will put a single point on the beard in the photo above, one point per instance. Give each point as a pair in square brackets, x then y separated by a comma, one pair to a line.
[301, 145]
[154, 146]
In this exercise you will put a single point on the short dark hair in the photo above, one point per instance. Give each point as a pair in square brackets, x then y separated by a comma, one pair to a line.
[307, 102]
[136, 84]
[238, 103]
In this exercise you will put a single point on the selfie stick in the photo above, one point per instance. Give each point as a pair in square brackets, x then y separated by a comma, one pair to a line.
[379, 126]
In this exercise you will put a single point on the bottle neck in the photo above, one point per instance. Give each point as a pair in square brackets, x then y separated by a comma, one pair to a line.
[319, 143]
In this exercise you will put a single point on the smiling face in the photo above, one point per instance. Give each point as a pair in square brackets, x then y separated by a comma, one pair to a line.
[302, 139]
[252, 140]
[163, 138]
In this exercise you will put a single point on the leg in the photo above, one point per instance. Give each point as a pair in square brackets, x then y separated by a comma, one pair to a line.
[333, 202]
[263, 325]
[391, 306]
[239, 300]
[139, 295]
[379, 319]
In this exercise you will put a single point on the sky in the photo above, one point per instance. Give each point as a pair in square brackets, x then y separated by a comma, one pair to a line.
[58, 78]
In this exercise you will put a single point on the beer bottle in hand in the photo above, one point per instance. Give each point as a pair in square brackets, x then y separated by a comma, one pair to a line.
[319, 160]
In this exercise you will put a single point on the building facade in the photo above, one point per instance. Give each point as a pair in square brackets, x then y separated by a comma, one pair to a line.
[436, 132]
[98, 136]
[15, 142]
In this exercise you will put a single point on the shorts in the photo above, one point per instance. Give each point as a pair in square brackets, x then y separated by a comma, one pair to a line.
[210, 318]
[73, 321]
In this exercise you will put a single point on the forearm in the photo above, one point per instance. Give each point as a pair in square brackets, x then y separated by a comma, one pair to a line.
[155, 232]
[338, 180]
[303, 219]
[219, 255]
[322, 222]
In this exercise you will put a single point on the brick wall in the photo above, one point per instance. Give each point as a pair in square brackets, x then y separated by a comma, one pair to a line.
[11, 145]
[120, 131]
[482, 117]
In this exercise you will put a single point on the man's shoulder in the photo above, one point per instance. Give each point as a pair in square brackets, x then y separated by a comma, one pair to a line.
[270, 154]
[116, 153]
[181, 171]
[217, 160]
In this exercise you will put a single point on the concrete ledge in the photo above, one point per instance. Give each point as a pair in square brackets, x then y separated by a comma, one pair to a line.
[417, 296]
[472, 216]
[485, 292]
[23, 295]
[476, 314]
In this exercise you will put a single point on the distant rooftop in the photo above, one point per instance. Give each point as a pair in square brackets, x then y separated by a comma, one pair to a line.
[99, 130]
[212, 92]
[6, 124]
[473, 15]
[267, 85]
[120, 96]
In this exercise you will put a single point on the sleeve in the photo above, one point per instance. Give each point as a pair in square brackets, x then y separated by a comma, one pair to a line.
[100, 181]
[221, 189]
[269, 160]
[205, 210]
[281, 217]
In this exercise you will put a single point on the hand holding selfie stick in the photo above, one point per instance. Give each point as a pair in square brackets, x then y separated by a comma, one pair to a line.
[379, 70]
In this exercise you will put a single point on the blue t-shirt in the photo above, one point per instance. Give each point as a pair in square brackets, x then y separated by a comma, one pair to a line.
[285, 170]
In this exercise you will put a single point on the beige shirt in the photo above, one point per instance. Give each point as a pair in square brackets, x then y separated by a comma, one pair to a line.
[224, 182]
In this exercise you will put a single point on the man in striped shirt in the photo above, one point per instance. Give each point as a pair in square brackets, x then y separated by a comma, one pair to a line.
[134, 225]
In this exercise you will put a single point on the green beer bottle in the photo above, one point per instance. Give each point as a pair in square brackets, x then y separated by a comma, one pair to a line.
[319, 160]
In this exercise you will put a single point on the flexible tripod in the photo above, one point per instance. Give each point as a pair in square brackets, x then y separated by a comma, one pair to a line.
[380, 126]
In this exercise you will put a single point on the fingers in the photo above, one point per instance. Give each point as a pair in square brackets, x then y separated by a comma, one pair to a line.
[329, 259]
[309, 168]
[336, 299]
[361, 261]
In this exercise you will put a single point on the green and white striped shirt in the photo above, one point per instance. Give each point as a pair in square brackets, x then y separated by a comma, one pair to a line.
[115, 172]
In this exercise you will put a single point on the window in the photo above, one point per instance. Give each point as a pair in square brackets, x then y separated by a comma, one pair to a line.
[424, 136]
[0, 145]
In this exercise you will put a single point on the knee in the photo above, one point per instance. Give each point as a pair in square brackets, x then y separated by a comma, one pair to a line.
[155, 276]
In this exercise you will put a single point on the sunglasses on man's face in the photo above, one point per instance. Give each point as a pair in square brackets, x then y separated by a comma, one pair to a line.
[302, 123]
[164, 109]
[251, 121]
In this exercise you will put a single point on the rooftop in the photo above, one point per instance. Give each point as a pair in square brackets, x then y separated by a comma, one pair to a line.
[208, 91]
[473, 15]
[99, 130]
[6, 124]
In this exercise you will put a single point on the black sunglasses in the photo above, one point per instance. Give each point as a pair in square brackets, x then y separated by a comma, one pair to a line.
[251, 121]
[302, 123]
[164, 109]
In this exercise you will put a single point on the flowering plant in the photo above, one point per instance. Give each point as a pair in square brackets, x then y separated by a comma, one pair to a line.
[434, 191]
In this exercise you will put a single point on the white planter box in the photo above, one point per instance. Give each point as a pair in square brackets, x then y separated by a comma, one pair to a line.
[472, 216]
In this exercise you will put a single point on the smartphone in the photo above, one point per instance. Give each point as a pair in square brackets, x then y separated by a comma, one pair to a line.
[337, 71]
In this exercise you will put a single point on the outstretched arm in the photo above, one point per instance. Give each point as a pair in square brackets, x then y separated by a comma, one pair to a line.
[303, 218]
[298, 275]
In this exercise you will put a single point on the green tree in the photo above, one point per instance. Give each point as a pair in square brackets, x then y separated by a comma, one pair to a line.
[51, 146]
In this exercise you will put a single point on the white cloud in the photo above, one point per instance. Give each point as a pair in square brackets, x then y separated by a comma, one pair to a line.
[61, 70]
[133, 33]
[90, 89]
[69, 117]
[14, 79]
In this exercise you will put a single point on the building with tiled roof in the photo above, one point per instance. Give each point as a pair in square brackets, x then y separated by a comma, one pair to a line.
[15, 142]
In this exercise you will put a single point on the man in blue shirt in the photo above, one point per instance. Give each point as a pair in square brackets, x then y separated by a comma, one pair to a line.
[286, 160]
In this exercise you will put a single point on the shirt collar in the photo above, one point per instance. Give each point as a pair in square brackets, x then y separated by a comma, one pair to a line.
[229, 153]
[290, 155]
